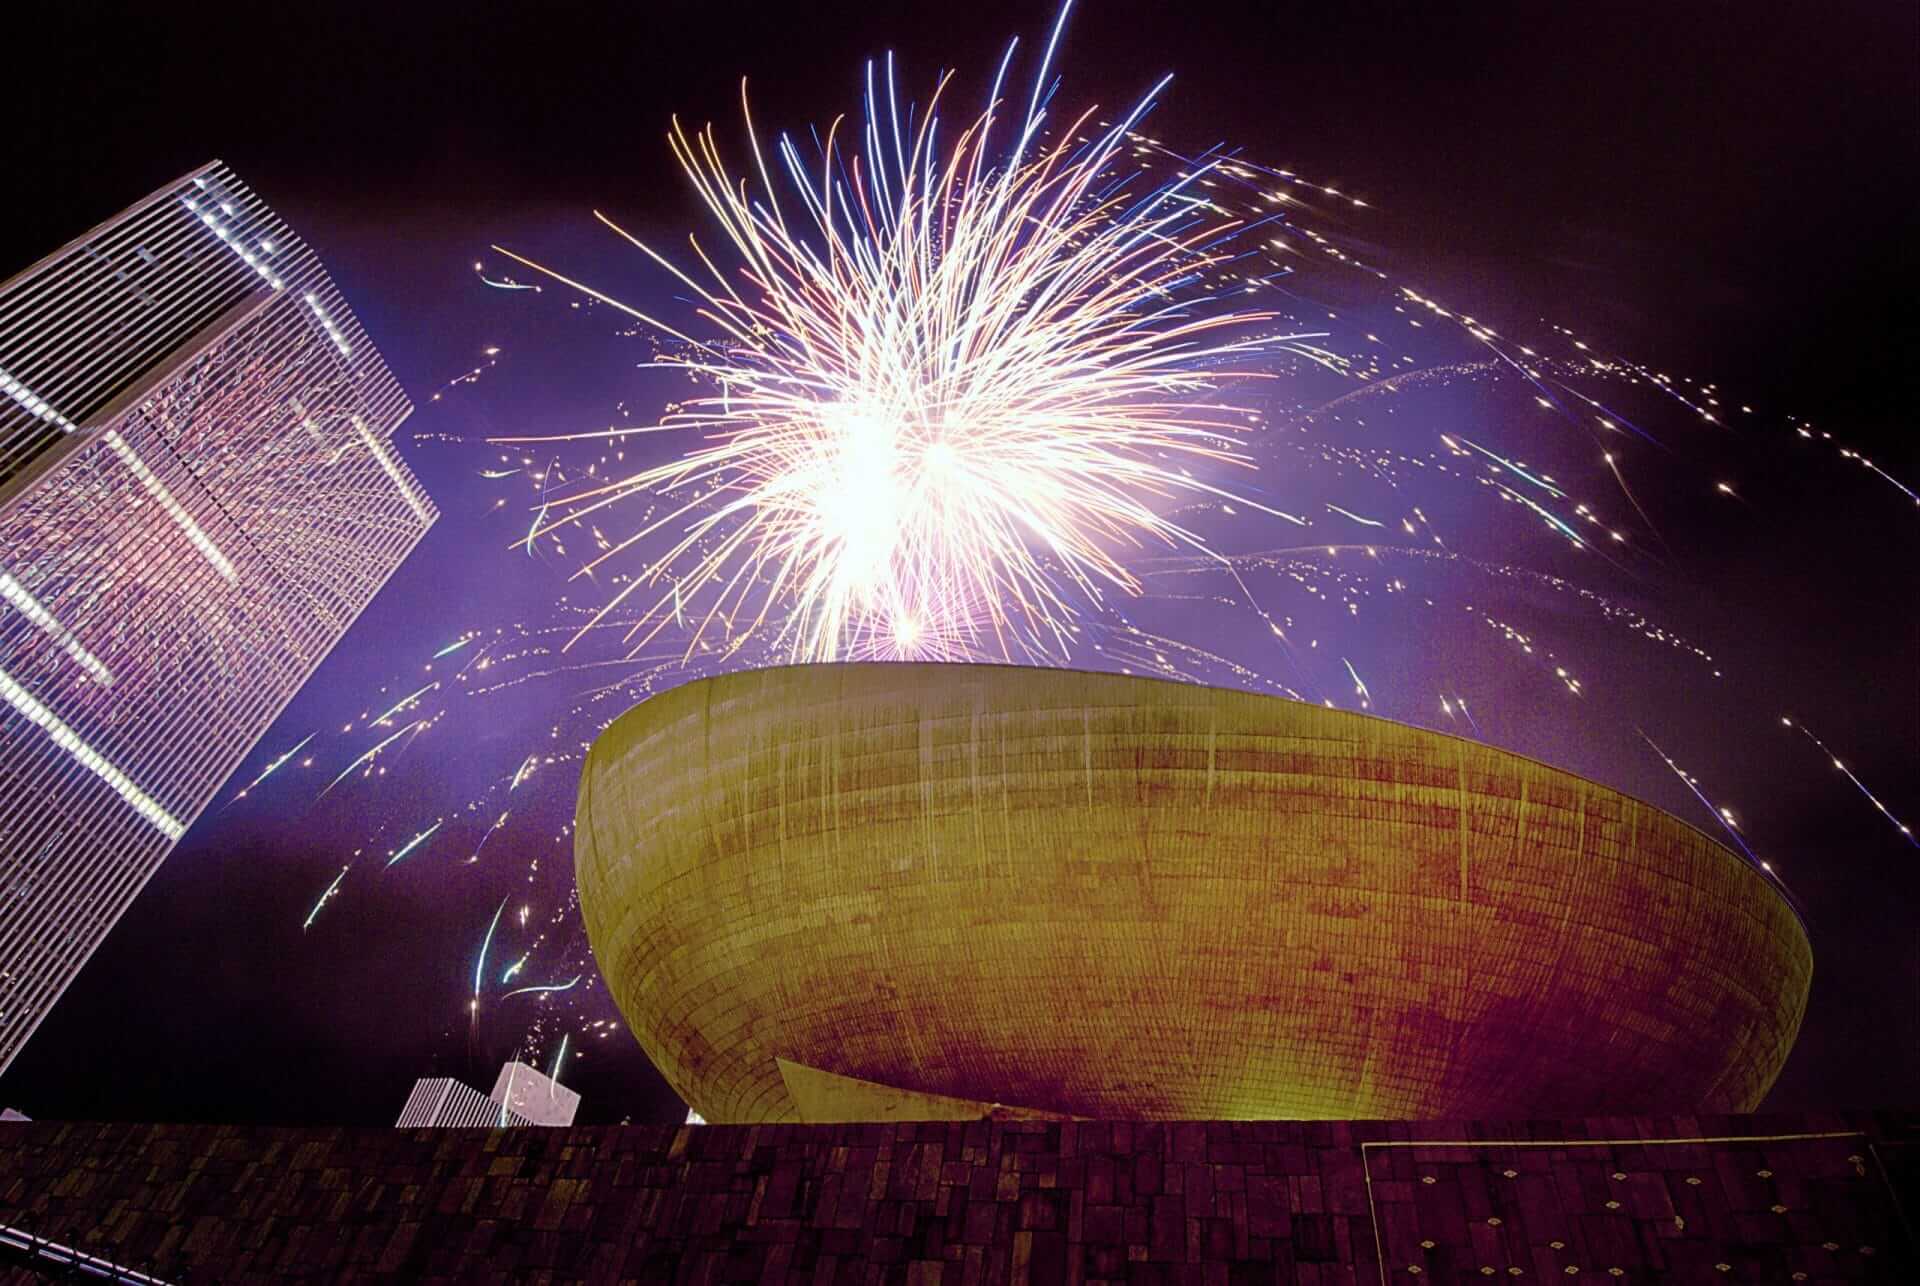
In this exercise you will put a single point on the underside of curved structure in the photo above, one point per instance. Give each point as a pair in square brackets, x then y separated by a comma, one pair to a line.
[1023, 891]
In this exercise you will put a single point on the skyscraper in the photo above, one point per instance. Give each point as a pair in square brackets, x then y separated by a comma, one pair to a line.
[198, 495]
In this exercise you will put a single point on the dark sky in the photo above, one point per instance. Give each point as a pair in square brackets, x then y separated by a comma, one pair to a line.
[1728, 186]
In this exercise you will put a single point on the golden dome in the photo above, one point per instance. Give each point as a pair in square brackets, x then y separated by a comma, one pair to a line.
[1123, 897]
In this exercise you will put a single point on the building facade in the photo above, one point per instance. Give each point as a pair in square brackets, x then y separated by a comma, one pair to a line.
[534, 1095]
[521, 1095]
[440, 1102]
[891, 891]
[1820, 1198]
[198, 495]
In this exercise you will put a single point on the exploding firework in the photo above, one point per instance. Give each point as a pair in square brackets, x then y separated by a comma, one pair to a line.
[1052, 390]
[953, 391]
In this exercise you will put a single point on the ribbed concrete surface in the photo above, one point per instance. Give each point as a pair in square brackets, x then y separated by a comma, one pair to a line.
[1123, 897]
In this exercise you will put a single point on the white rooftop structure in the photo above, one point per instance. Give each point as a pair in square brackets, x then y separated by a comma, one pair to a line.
[521, 1096]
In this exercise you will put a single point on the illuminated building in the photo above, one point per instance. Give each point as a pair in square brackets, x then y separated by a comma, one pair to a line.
[533, 1094]
[198, 495]
[909, 892]
[440, 1102]
[521, 1095]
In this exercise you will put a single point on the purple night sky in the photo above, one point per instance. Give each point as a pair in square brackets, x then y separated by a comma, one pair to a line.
[1722, 199]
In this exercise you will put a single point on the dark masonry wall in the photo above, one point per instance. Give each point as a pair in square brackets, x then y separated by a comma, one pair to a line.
[1686, 1199]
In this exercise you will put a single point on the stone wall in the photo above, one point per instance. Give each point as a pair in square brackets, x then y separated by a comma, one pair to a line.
[1694, 1199]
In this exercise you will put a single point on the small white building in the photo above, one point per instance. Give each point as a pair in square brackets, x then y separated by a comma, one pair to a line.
[521, 1096]
[534, 1095]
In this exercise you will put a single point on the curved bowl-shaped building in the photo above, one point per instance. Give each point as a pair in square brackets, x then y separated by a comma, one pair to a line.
[1122, 897]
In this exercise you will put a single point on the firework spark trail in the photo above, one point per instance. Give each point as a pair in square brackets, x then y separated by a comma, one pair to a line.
[271, 768]
[480, 967]
[1849, 453]
[498, 823]
[547, 989]
[458, 643]
[1544, 484]
[1348, 513]
[504, 283]
[1612, 420]
[1905, 831]
[1462, 703]
[325, 897]
[369, 755]
[416, 842]
[955, 391]
[1721, 815]
[491, 353]
[1458, 703]
[1359, 685]
[540, 526]
[403, 703]
[553, 1075]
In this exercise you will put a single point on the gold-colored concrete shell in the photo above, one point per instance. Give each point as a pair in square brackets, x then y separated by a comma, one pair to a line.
[1123, 897]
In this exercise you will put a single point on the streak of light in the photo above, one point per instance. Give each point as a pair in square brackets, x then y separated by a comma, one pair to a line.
[416, 842]
[1905, 831]
[325, 897]
[546, 989]
[480, 967]
[1720, 815]
[274, 767]
[1348, 513]
[368, 756]
[1359, 685]
[403, 703]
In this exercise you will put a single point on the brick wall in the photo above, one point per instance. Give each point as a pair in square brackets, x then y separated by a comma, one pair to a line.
[1762, 1199]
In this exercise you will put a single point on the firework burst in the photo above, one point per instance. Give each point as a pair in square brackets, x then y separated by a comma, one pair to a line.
[951, 390]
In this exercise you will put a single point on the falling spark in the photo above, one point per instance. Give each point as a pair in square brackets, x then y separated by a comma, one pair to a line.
[1859, 785]
[1348, 513]
[1720, 815]
[1541, 483]
[416, 842]
[273, 767]
[1359, 685]
[480, 967]
[498, 823]
[548, 988]
[403, 703]
[325, 898]
[368, 756]
[504, 283]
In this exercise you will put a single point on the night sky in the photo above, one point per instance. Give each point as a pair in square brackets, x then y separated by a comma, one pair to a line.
[1721, 194]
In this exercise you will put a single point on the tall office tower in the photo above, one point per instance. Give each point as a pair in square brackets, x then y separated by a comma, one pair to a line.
[198, 495]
